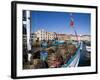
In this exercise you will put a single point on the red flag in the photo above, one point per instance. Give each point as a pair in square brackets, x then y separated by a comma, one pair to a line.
[72, 21]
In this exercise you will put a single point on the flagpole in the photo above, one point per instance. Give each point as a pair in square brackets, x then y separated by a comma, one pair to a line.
[72, 26]
[76, 34]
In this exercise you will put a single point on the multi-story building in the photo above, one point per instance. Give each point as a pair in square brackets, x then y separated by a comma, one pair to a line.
[63, 37]
[81, 37]
[51, 35]
[44, 35]
[85, 38]
[41, 34]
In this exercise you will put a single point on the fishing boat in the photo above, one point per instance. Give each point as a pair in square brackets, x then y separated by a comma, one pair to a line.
[71, 61]
[74, 60]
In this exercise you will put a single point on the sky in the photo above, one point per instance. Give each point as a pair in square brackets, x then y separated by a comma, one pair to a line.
[59, 22]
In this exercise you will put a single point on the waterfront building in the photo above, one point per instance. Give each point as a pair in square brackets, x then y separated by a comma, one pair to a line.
[81, 37]
[63, 37]
[85, 38]
[44, 35]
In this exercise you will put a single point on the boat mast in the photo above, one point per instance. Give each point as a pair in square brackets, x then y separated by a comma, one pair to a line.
[72, 26]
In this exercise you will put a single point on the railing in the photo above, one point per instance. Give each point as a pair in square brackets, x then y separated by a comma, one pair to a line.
[74, 60]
